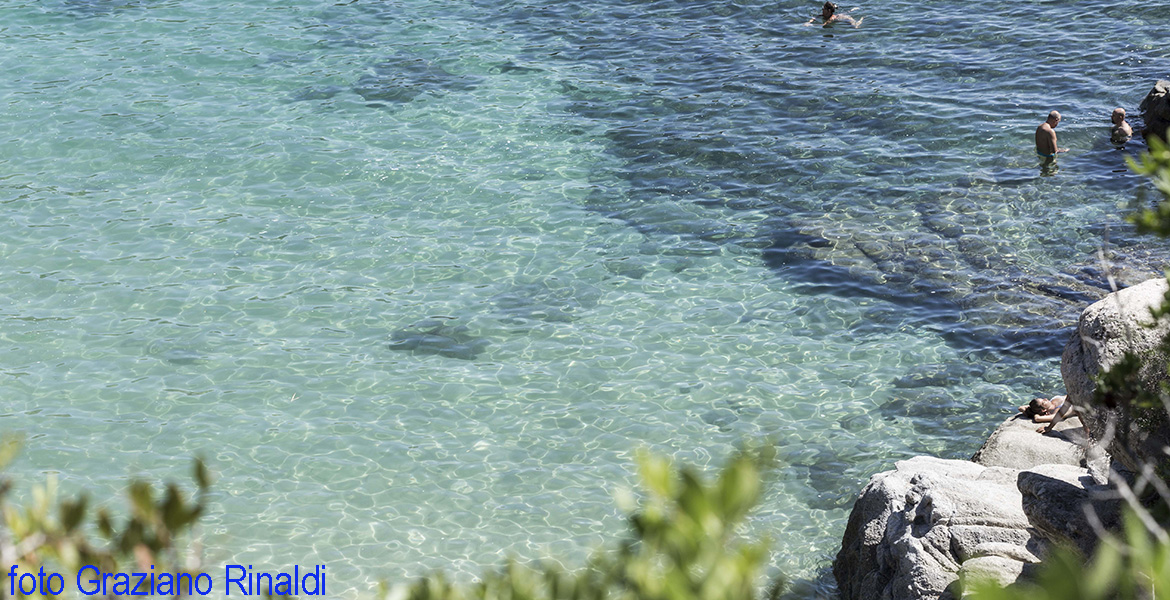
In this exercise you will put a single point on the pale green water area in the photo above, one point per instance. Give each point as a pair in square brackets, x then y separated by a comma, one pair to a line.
[419, 278]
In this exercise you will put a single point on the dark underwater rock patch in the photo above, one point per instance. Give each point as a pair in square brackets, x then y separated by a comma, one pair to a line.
[971, 288]
[927, 403]
[939, 375]
[317, 93]
[1127, 262]
[401, 79]
[626, 268]
[438, 337]
[945, 259]
[720, 417]
[857, 422]
[829, 475]
[183, 356]
[97, 8]
[511, 67]
[552, 300]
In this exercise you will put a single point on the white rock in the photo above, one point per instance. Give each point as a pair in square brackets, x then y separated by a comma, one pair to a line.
[1106, 331]
[1016, 444]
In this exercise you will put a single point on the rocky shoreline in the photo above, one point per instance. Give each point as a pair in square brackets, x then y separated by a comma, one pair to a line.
[929, 526]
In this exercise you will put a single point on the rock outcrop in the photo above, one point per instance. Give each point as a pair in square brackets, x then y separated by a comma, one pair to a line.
[1016, 445]
[1156, 109]
[1056, 499]
[1106, 331]
[931, 526]
[928, 526]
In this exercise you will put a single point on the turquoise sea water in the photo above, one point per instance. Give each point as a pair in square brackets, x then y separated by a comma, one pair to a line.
[419, 278]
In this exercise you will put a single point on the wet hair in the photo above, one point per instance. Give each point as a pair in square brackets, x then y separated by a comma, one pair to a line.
[1035, 408]
[831, 7]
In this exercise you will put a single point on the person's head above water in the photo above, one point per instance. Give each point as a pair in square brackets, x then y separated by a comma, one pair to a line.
[1053, 118]
[828, 9]
[1118, 116]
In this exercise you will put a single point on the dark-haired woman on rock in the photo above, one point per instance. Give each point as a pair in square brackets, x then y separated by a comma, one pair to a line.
[1048, 410]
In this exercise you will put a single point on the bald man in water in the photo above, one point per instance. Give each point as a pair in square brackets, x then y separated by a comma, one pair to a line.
[1046, 137]
[1121, 132]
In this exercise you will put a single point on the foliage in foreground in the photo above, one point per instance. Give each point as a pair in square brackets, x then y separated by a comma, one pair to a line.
[1132, 566]
[60, 535]
[682, 545]
[683, 542]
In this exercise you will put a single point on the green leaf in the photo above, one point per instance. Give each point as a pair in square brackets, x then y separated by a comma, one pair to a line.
[202, 475]
[656, 475]
[174, 514]
[1103, 572]
[72, 512]
[105, 525]
[739, 488]
[142, 498]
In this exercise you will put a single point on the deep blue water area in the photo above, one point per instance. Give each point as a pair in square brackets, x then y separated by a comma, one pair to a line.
[419, 279]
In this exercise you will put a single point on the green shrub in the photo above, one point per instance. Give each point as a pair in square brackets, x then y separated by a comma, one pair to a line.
[684, 541]
[683, 544]
[64, 536]
[1131, 566]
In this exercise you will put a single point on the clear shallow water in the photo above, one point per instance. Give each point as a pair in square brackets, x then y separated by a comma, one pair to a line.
[419, 279]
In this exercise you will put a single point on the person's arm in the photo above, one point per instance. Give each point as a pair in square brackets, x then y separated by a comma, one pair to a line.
[851, 20]
[1061, 414]
[1049, 137]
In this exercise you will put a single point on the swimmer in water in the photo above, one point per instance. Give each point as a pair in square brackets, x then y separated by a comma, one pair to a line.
[1046, 138]
[829, 15]
[1121, 132]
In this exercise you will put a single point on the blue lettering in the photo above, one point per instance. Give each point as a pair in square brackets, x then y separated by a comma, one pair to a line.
[48, 588]
[180, 584]
[141, 580]
[283, 584]
[200, 590]
[239, 581]
[121, 584]
[81, 588]
[318, 580]
[20, 584]
[260, 577]
[166, 585]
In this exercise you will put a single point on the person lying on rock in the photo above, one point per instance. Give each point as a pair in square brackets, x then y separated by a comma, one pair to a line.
[1048, 410]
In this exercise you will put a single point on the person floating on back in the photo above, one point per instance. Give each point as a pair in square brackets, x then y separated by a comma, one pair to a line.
[1046, 146]
[1121, 132]
[829, 15]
